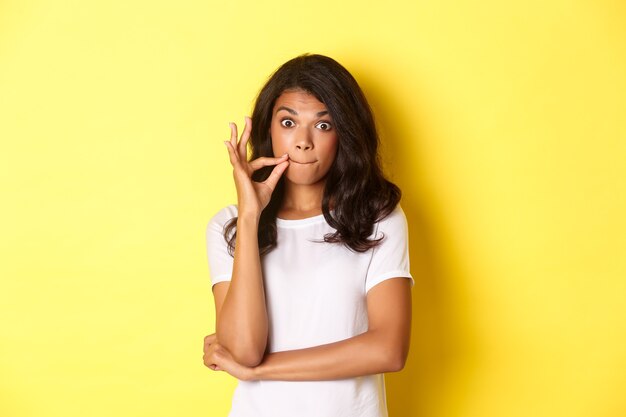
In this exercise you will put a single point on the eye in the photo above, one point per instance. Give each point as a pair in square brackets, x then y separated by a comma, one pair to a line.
[287, 123]
[324, 126]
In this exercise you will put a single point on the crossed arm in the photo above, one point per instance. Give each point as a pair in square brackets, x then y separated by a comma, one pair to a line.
[382, 348]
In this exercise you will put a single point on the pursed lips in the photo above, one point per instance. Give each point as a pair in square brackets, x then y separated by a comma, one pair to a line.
[301, 163]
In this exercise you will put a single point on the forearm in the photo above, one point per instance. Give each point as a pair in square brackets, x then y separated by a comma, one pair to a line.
[242, 325]
[369, 353]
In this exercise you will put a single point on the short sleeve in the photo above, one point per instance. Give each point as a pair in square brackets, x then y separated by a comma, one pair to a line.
[390, 259]
[220, 261]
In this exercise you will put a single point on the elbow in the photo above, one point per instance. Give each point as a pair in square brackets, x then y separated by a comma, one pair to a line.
[395, 363]
[395, 358]
[245, 350]
[249, 358]
[247, 354]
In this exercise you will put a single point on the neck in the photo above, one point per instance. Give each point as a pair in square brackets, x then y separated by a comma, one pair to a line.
[302, 200]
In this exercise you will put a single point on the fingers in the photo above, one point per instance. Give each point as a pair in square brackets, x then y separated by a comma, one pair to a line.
[210, 346]
[266, 161]
[243, 143]
[233, 134]
[210, 342]
[239, 151]
[278, 170]
[214, 353]
[210, 339]
[232, 154]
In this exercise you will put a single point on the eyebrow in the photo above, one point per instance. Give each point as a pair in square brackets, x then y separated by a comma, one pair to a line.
[295, 113]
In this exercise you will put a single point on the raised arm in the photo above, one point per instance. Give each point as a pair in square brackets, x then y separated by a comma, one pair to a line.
[240, 311]
[382, 348]
[241, 314]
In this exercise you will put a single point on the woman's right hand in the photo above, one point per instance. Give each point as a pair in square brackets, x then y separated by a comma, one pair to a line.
[252, 196]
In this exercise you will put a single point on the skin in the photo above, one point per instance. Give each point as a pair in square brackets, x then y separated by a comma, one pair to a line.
[302, 128]
[303, 133]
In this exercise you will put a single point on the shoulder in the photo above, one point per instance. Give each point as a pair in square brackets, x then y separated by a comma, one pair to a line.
[393, 222]
[219, 219]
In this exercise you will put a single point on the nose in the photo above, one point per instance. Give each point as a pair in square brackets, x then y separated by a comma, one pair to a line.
[304, 142]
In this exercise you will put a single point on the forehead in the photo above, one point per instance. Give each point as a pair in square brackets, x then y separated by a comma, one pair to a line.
[299, 100]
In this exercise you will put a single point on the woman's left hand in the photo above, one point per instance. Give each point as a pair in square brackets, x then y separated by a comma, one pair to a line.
[218, 358]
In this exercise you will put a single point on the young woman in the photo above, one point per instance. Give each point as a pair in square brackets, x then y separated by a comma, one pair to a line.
[310, 270]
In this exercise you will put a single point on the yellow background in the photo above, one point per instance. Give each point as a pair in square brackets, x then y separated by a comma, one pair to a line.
[503, 124]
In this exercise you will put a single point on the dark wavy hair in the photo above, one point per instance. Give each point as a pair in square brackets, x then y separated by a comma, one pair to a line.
[355, 184]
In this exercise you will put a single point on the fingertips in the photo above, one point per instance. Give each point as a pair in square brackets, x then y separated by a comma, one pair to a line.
[280, 159]
[233, 131]
[265, 161]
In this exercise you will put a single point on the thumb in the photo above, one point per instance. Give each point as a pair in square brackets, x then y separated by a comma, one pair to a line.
[277, 172]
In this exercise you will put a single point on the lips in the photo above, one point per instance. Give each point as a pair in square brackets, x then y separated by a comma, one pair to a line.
[303, 162]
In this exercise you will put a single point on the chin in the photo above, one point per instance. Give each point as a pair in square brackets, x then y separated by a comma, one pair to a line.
[302, 179]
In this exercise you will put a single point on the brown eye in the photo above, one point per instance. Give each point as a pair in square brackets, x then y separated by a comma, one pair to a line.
[324, 126]
[287, 123]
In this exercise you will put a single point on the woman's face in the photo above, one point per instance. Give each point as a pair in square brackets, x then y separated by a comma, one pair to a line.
[302, 127]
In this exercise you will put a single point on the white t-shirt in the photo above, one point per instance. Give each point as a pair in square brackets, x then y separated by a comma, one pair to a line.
[316, 294]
